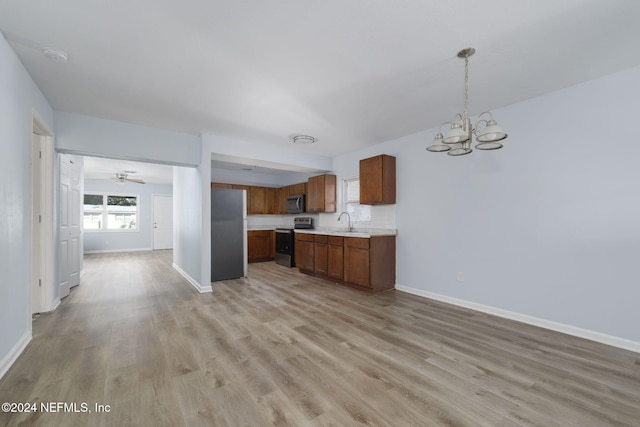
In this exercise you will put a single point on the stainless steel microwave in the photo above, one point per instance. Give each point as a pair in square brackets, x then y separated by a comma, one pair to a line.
[295, 204]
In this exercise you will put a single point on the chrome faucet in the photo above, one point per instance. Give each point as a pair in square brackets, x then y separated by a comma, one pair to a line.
[348, 218]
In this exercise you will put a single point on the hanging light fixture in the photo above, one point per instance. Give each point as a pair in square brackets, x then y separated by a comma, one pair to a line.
[457, 142]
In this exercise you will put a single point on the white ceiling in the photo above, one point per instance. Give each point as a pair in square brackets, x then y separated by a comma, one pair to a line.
[349, 72]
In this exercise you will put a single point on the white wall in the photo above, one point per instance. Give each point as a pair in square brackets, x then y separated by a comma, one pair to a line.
[260, 179]
[112, 241]
[91, 136]
[223, 147]
[187, 224]
[19, 97]
[548, 227]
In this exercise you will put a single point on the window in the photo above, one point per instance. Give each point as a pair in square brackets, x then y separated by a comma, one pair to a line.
[351, 198]
[103, 212]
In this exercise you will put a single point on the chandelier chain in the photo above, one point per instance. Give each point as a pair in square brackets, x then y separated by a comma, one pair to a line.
[466, 87]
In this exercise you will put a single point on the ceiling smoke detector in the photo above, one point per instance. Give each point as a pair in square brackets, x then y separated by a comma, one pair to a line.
[55, 55]
[304, 139]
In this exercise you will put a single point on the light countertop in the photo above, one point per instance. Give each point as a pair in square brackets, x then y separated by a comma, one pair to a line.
[358, 232]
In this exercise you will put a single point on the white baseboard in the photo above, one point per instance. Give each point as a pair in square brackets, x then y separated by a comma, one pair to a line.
[16, 351]
[110, 251]
[192, 282]
[543, 323]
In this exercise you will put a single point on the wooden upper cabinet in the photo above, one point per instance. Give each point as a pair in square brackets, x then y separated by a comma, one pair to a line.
[258, 203]
[276, 200]
[378, 180]
[321, 194]
[266, 200]
[295, 189]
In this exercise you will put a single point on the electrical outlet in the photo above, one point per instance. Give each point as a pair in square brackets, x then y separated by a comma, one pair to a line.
[460, 276]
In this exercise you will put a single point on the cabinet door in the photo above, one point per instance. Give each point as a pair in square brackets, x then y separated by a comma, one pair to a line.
[370, 180]
[260, 245]
[356, 261]
[329, 193]
[280, 201]
[314, 194]
[295, 189]
[304, 252]
[272, 244]
[258, 203]
[335, 262]
[320, 254]
[320, 258]
[321, 193]
[378, 180]
[273, 200]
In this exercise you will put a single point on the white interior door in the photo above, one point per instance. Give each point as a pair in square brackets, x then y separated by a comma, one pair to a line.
[37, 241]
[69, 248]
[63, 246]
[75, 227]
[162, 222]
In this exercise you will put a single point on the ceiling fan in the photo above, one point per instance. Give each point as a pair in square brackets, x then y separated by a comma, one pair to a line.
[122, 178]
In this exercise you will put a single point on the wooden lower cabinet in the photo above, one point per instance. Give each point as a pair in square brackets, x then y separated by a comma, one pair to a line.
[370, 262]
[261, 245]
[356, 261]
[365, 262]
[320, 258]
[335, 258]
[304, 251]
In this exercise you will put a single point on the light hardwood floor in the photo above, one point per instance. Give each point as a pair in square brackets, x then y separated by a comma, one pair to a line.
[282, 348]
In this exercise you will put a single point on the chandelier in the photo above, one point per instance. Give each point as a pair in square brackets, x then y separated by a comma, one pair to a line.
[457, 142]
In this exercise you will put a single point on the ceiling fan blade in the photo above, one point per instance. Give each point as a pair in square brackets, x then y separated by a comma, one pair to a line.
[137, 181]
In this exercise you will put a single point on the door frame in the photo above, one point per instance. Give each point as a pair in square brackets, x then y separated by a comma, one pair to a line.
[42, 263]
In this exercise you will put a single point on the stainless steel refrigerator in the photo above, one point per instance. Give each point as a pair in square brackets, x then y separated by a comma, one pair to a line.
[228, 234]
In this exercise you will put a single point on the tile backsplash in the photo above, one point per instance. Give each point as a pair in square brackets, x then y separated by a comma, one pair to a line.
[382, 217]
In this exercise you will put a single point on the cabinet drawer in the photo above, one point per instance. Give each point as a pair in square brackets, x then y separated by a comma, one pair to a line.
[335, 240]
[321, 238]
[304, 237]
[356, 242]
